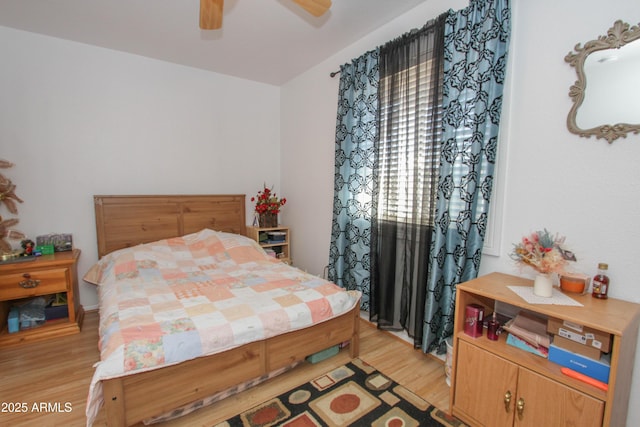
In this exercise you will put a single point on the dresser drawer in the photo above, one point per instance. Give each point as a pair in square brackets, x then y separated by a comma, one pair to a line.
[32, 283]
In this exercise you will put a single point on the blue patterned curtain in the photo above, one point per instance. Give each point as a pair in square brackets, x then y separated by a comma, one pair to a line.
[476, 44]
[356, 139]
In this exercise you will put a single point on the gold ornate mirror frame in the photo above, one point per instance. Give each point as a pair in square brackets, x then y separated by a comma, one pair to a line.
[617, 36]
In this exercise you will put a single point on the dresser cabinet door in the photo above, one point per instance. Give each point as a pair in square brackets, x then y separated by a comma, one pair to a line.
[492, 391]
[547, 403]
[485, 386]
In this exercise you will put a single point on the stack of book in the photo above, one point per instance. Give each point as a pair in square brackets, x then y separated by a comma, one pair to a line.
[528, 332]
[276, 237]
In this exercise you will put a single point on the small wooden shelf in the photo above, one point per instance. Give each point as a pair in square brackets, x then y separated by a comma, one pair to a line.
[485, 369]
[281, 248]
[55, 273]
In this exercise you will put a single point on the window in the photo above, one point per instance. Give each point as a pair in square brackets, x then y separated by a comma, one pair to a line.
[409, 147]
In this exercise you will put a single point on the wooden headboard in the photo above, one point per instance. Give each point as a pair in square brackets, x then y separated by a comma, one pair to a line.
[125, 221]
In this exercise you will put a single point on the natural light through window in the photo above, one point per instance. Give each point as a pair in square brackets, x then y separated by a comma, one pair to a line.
[408, 145]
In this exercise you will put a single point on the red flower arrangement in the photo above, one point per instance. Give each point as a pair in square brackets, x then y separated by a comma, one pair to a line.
[267, 202]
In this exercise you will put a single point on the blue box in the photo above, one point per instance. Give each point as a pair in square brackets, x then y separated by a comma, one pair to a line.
[13, 322]
[598, 369]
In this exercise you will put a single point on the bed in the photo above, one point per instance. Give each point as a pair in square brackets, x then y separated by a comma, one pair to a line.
[136, 235]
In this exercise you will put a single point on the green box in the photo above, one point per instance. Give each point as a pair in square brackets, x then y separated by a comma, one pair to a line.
[324, 354]
[45, 249]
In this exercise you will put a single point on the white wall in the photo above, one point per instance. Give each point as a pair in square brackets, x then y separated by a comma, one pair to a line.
[585, 189]
[79, 120]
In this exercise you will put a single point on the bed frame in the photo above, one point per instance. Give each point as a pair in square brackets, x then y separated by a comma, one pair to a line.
[124, 221]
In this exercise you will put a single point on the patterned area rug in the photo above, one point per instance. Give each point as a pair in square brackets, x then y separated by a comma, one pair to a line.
[351, 395]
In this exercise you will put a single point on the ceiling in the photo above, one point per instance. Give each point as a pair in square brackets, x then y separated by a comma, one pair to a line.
[269, 41]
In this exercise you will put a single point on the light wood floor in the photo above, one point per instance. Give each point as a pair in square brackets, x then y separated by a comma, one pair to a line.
[49, 380]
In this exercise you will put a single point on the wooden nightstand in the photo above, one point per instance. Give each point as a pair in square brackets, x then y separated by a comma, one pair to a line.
[282, 248]
[46, 275]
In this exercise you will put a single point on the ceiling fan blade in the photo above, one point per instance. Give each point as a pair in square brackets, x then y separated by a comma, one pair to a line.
[314, 7]
[211, 14]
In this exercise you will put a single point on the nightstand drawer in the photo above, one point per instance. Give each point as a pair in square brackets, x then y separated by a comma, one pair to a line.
[32, 283]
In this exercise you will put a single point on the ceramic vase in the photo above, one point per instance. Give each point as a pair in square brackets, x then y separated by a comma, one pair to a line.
[543, 285]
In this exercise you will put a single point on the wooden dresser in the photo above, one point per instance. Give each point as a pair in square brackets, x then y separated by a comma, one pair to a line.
[46, 275]
[495, 384]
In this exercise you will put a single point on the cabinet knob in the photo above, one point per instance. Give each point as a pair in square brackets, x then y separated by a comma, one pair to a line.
[507, 401]
[520, 407]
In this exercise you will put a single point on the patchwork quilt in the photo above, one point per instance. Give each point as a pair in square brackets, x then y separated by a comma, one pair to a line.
[177, 299]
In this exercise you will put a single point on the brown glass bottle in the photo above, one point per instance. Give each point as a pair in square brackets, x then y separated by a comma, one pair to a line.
[600, 285]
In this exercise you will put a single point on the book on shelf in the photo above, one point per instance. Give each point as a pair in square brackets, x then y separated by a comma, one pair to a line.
[531, 348]
[530, 328]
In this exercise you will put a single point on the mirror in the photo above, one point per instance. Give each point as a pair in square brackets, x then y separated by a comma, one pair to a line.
[610, 108]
